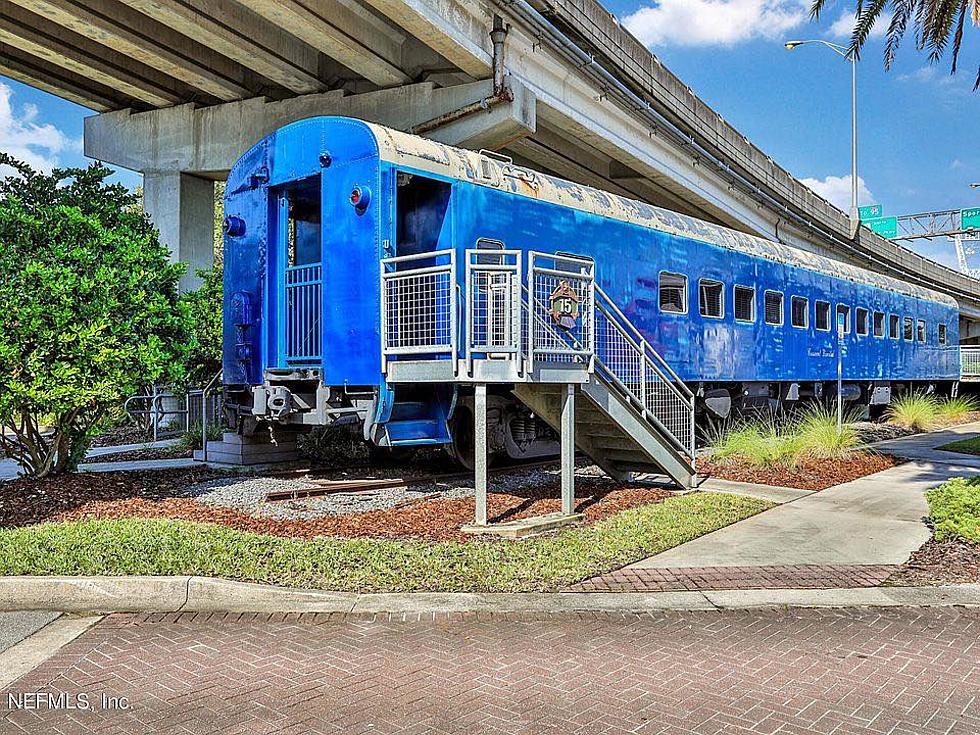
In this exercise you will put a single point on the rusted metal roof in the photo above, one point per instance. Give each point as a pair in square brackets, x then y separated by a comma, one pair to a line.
[487, 170]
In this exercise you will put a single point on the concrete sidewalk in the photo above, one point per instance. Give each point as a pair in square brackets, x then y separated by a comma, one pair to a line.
[874, 520]
[10, 471]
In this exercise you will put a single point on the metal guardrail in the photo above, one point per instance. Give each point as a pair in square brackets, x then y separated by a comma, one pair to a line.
[169, 412]
[303, 309]
[970, 362]
[628, 361]
[557, 315]
[419, 305]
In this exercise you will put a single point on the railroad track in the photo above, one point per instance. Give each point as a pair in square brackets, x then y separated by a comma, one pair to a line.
[329, 487]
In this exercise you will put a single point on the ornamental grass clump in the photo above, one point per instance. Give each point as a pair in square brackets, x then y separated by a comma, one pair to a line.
[768, 441]
[915, 411]
[818, 436]
[958, 409]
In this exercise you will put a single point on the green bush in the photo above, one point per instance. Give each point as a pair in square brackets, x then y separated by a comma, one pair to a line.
[91, 310]
[205, 307]
[955, 509]
[191, 439]
[916, 411]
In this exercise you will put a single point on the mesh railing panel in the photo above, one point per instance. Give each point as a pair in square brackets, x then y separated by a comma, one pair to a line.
[494, 302]
[970, 362]
[627, 362]
[557, 337]
[303, 307]
[418, 312]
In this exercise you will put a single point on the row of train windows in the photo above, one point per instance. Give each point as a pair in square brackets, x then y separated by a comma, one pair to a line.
[711, 304]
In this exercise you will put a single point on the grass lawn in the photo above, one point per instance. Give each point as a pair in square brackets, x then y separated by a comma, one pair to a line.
[963, 446]
[955, 509]
[170, 547]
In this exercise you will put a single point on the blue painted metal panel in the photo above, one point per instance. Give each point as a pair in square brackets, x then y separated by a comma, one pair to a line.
[629, 259]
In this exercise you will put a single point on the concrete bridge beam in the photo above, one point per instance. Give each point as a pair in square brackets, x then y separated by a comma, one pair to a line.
[182, 150]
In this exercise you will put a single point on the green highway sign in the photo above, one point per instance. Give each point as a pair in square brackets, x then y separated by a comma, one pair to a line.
[885, 226]
[870, 212]
[970, 219]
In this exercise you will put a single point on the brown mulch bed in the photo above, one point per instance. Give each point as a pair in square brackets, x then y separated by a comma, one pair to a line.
[811, 475]
[940, 562]
[154, 495]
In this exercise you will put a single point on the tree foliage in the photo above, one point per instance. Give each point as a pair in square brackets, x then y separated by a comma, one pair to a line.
[938, 26]
[205, 306]
[89, 310]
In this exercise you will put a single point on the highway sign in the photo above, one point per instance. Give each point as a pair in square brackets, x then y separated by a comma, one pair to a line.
[970, 218]
[869, 212]
[884, 226]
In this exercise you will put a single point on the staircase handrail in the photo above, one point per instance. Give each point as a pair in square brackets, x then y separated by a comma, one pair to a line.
[639, 342]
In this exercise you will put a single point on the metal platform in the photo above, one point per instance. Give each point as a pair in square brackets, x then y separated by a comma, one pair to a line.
[550, 332]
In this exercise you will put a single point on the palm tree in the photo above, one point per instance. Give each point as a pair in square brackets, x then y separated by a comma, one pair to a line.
[937, 23]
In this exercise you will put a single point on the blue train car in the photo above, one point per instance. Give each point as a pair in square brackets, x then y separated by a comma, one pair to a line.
[313, 208]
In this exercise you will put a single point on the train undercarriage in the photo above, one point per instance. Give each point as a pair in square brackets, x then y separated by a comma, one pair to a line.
[296, 400]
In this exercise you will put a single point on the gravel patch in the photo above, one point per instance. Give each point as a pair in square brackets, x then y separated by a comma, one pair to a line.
[248, 493]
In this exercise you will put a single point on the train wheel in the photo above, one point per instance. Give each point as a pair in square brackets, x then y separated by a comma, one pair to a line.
[461, 449]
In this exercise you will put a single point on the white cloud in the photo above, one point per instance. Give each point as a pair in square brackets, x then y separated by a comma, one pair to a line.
[843, 27]
[36, 144]
[714, 22]
[837, 190]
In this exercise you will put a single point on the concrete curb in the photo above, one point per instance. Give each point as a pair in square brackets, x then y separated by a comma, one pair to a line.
[202, 594]
[37, 648]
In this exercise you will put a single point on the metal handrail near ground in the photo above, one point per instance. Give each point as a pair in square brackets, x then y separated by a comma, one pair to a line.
[509, 318]
[216, 380]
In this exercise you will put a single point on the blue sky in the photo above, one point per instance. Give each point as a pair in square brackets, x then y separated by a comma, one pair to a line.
[918, 126]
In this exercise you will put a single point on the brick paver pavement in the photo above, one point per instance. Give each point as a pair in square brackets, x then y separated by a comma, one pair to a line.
[673, 579]
[897, 671]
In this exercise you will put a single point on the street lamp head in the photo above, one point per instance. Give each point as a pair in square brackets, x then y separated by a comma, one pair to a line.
[790, 45]
[975, 186]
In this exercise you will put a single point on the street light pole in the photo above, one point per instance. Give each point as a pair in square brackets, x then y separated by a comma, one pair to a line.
[846, 54]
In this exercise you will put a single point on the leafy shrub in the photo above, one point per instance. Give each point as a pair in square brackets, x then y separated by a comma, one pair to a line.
[955, 509]
[91, 310]
[818, 436]
[916, 411]
[205, 307]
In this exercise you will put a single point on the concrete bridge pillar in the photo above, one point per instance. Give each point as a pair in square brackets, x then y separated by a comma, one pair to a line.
[181, 150]
[181, 206]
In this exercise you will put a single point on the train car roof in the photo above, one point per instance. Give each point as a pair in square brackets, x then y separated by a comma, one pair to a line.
[489, 170]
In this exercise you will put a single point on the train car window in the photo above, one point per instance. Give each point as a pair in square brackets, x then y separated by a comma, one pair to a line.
[907, 329]
[893, 326]
[861, 321]
[744, 304]
[799, 312]
[942, 334]
[843, 310]
[673, 293]
[774, 308]
[879, 324]
[711, 298]
[822, 313]
[920, 331]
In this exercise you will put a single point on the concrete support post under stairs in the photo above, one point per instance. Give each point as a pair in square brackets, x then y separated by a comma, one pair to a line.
[568, 451]
[480, 453]
[525, 526]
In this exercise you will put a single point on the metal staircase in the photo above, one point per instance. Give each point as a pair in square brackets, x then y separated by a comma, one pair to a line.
[569, 352]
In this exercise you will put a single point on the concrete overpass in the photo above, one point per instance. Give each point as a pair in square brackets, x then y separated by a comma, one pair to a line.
[183, 87]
